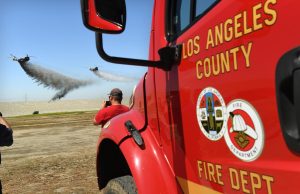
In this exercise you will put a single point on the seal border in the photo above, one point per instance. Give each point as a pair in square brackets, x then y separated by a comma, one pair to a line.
[228, 140]
[224, 108]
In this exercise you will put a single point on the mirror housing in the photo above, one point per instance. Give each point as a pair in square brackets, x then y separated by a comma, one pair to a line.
[105, 16]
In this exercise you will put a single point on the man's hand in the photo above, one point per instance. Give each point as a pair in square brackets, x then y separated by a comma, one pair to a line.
[103, 105]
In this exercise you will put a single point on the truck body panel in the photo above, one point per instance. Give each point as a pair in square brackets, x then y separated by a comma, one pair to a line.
[240, 67]
[211, 124]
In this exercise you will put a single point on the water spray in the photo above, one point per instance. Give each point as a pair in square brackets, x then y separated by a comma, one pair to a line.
[111, 77]
[50, 79]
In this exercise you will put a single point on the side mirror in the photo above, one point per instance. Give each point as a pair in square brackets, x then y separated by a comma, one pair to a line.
[105, 16]
[109, 16]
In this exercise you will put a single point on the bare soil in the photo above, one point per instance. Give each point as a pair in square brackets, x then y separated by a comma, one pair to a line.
[52, 153]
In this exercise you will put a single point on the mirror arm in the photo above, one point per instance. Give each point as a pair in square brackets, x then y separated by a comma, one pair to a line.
[169, 56]
[121, 60]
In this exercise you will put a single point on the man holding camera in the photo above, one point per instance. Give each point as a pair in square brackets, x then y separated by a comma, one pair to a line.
[6, 138]
[111, 108]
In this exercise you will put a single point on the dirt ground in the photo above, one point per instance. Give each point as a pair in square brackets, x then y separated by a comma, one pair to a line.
[52, 153]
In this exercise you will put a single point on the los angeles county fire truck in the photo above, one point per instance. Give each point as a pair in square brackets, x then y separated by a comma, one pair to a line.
[218, 110]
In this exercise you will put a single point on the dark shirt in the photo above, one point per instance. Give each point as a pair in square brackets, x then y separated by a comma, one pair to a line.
[109, 112]
[6, 138]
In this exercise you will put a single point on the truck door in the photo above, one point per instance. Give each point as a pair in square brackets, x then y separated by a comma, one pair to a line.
[217, 110]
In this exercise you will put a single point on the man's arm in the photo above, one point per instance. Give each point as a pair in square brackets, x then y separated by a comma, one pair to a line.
[95, 122]
[99, 117]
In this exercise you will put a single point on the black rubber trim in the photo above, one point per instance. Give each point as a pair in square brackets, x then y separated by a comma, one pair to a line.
[288, 98]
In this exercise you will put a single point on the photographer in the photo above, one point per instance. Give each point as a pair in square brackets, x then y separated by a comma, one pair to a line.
[111, 108]
[6, 138]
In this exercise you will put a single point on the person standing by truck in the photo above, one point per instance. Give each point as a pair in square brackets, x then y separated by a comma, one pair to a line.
[6, 137]
[111, 108]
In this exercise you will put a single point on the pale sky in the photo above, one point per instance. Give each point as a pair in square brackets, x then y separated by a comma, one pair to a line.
[52, 32]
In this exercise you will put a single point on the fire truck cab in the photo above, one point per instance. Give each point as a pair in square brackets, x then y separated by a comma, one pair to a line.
[218, 110]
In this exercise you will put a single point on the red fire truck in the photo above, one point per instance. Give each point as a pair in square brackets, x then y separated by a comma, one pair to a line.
[218, 110]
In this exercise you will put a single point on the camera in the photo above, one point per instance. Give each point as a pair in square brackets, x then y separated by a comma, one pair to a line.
[107, 103]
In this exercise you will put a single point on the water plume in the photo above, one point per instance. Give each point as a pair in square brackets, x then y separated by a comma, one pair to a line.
[51, 79]
[111, 77]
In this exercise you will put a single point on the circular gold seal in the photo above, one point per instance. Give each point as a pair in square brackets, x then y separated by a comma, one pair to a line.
[211, 113]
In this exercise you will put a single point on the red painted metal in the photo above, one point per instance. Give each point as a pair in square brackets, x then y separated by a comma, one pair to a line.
[178, 90]
[149, 167]
[174, 142]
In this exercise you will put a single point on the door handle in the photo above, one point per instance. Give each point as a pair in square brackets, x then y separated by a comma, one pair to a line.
[296, 91]
[288, 97]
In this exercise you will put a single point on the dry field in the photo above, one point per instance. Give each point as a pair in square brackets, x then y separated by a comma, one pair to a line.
[26, 108]
[52, 153]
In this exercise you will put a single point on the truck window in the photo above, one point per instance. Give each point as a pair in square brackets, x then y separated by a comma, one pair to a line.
[184, 13]
[203, 5]
[182, 19]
